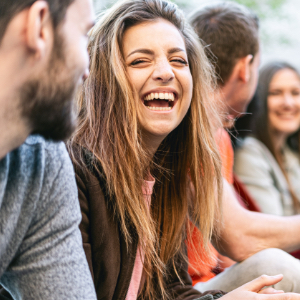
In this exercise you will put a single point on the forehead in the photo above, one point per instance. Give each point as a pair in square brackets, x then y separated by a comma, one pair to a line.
[285, 78]
[153, 34]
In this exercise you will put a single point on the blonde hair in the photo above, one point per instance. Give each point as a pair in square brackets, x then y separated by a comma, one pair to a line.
[110, 130]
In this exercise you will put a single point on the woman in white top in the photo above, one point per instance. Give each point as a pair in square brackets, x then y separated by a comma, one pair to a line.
[267, 160]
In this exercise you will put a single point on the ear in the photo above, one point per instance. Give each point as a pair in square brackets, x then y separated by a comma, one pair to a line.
[39, 33]
[244, 70]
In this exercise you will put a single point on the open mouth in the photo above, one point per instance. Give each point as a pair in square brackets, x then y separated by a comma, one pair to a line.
[160, 101]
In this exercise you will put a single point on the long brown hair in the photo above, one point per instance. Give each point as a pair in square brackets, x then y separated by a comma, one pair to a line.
[258, 119]
[110, 130]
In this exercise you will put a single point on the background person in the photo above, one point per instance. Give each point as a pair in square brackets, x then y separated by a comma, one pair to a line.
[231, 33]
[267, 161]
[43, 58]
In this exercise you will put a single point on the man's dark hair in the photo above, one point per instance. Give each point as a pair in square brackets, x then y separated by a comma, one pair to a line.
[9, 8]
[230, 32]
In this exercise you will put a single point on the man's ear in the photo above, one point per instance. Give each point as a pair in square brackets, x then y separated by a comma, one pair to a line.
[39, 32]
[244, 68]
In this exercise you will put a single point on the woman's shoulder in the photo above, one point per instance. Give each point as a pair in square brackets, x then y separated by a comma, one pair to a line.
[85, 164]
[249, 142]
[252, 154]
[291, 160]
[89, 173]
[251, 146]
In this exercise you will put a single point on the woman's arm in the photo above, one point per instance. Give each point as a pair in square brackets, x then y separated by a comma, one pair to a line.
[183, 289]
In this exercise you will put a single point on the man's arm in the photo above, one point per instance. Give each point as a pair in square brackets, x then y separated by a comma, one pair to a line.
[50, 262]
[245, 233]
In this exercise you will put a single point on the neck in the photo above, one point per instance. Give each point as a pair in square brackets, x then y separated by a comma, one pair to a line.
[9, 142]
[152, 143]
[14, 129]
[279, 140]
[220, 96]
[229, 93]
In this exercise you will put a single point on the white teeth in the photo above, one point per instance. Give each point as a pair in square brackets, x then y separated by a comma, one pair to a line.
[162, 96]
[159, 108]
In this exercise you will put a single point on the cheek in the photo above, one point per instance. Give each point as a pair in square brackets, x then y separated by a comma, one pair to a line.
[187, 86]
[137, 78]
[272, 106]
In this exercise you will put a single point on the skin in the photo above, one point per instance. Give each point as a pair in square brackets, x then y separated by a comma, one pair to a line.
[284, 105]
[156, 61]
[25, 52]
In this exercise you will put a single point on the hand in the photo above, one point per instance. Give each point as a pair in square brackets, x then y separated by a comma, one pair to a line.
[253, 290]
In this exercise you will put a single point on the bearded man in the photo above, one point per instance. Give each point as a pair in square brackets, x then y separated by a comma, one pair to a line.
[43, 58]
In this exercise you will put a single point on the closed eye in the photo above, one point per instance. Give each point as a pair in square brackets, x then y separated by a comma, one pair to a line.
[137, 62]
[181, 61]
[275, 93]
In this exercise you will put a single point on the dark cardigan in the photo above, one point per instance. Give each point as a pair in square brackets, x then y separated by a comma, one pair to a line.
[111, 262]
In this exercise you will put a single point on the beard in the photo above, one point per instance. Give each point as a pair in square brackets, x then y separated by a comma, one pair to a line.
[47, 102]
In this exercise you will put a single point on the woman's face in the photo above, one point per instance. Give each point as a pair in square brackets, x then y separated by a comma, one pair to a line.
[157, 65]
[284, 102]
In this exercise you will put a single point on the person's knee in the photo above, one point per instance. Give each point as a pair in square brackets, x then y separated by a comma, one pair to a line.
[273, 262]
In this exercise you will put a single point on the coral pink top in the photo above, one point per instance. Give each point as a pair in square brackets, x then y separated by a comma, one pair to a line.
[137, 273]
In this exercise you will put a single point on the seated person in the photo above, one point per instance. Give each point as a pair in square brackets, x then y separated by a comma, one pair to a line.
[236, 56]
[267, 161]
[41, 253]
[145, 157]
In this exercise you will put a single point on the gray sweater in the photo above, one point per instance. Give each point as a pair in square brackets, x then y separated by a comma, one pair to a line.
[41, 254]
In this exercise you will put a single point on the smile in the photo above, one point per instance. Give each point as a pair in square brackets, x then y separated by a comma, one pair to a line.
[160, 101]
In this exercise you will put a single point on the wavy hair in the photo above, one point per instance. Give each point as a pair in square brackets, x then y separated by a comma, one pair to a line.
[109, 128]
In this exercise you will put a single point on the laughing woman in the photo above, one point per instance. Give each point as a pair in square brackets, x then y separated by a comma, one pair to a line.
[144, 139]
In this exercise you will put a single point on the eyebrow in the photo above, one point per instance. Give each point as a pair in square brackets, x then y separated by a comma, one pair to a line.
[150, 52]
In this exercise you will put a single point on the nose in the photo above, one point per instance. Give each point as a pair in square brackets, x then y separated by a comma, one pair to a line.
[163, 72]
[288, 99]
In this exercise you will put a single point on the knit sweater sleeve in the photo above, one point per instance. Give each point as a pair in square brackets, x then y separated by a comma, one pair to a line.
[50, 262]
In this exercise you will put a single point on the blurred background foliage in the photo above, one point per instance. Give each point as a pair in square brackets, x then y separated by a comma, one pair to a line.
[279, 25]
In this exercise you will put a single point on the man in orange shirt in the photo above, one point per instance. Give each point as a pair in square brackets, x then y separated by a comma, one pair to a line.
[230, 32]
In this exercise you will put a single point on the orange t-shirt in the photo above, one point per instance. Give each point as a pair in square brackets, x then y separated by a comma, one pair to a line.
[201, 266]
[226, 152]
